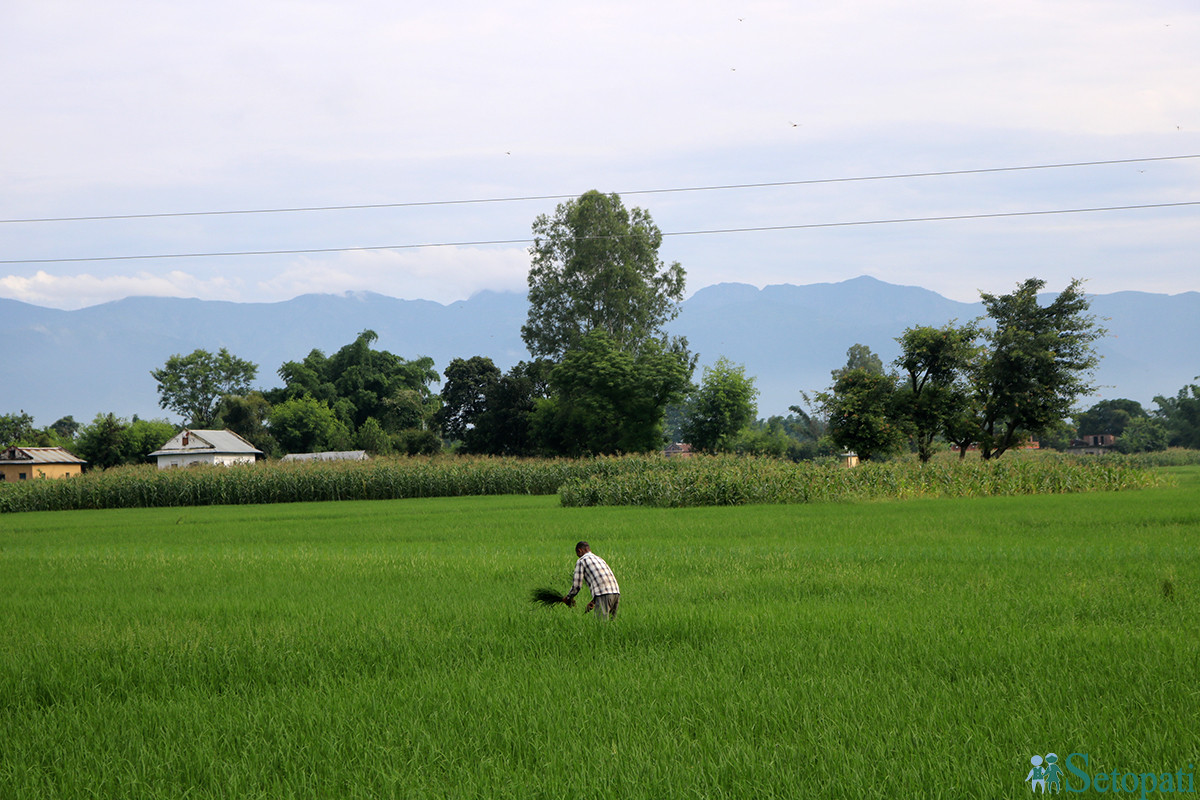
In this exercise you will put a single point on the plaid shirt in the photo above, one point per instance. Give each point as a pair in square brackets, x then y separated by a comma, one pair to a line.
[600, 580]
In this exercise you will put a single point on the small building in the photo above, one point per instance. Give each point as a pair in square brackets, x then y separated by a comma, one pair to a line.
[331, 455]
[1093, 445]
[848, 459]
[219, 448]
[27, 463]
[678, 450]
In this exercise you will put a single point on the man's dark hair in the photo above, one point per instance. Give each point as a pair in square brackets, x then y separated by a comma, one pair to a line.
[583, 546]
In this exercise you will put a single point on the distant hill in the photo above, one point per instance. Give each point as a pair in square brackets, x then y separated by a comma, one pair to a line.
[98, 359]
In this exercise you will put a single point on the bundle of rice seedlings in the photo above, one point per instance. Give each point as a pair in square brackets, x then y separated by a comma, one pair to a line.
[549, 597]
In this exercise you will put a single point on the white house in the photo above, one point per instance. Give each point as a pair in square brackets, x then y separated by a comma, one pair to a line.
[221, 448]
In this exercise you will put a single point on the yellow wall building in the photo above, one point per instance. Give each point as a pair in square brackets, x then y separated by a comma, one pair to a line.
[28, 463]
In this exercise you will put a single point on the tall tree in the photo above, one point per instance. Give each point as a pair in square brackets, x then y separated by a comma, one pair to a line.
[723, 404]
[192, 385]
[464, 394]
[595, 266]
[1038, 360]
[932, 394]
[862, 415]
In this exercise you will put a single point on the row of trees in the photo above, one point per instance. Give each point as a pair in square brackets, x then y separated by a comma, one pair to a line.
[995, 382]
[604, 377]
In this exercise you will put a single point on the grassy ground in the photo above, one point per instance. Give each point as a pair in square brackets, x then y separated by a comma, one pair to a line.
[387, 649]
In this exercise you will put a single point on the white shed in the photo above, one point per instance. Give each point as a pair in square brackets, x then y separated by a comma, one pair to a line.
[220, 448]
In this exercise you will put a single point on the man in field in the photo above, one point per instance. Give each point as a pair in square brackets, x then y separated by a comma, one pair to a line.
[590, 568]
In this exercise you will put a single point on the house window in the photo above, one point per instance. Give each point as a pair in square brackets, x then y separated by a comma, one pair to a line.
[20, 476]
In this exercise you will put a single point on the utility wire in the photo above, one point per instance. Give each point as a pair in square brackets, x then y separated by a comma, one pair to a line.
[527, 198]
[756, 229]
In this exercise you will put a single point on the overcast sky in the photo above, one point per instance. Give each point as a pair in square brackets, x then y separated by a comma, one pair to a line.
[126, 108]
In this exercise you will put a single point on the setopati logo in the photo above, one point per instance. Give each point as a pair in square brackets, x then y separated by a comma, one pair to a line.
[1073, 774]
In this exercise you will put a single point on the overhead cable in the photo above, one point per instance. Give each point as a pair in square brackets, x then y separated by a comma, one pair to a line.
[544, 197]
[705, 232]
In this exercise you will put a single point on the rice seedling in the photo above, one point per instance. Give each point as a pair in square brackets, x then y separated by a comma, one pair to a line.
[826, 649]
[550, 597]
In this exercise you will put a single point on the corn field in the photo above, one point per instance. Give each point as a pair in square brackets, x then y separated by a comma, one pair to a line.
[723, 481]
[627, 480]
[277, 482]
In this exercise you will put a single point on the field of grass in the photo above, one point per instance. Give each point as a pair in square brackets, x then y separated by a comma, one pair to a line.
[387, 649]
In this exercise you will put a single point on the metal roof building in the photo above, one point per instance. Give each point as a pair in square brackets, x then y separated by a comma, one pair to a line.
[221, 448]
[25, 463]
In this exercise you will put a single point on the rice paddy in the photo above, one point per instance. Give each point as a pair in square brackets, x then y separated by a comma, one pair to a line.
[926, 647]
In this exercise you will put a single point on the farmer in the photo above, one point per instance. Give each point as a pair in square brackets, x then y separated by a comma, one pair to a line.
[600, 580]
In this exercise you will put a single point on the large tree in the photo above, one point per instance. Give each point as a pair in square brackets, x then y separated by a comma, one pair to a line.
[595, 266]
[306, 425]
[1109, 417]
[608, 400]
[192, 385]
[503, 427]
[861, 409]
[1037, 360]
[932, 394]
[359, 382]
[723, 404]
[464, 394]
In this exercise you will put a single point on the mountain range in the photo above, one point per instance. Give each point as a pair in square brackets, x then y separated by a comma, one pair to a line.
[98, 359]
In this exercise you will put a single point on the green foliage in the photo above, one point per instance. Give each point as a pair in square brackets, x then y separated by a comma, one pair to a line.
[306, 425]
[247, 416]
[373, 438]
[416, 442]
[1143, 435]
[861, 409]
[111, 441]
[727, 480]
[609, 400]
[1036, 361]
[146, 486]
[17, 429]
[596, 268]
[1181, 414]
[859, 356]
[503, 427]
[358, 382]
[1109, 417]
[722, 406]
[192, 385]
[933, 393]
[464, 395]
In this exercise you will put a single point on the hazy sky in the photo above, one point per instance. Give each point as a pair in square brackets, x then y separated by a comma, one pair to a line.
[126, 108]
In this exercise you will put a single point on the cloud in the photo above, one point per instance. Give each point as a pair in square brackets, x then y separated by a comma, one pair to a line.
[82, 290]
[441, 274]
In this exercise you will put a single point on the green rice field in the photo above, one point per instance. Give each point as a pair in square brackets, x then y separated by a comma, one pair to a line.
[387, 649]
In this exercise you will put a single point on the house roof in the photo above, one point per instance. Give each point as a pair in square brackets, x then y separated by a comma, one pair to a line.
[224, 442]
[38, 455]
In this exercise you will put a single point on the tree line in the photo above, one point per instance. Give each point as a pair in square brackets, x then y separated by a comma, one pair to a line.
[603, 377]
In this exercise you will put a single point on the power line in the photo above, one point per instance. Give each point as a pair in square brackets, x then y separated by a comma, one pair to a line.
[489, 242]
[528, 198]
